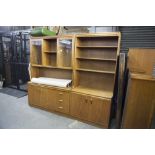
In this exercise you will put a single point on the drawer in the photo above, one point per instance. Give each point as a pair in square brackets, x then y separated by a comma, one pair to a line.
[62, 101]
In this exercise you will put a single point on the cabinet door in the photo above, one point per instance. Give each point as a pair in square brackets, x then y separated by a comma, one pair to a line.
[42, 96]
[99, 110]
[34, 93]
[64, 53]
[62, 101]
[48, 98]
[79, 106]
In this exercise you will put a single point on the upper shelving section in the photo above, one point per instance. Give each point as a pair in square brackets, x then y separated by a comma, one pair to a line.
[56, 52]
[52, 56]
[95, 63]
[90, 59]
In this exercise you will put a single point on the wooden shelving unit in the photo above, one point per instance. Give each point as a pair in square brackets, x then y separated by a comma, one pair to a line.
[90, 60]
[50, 58]
[96, 54]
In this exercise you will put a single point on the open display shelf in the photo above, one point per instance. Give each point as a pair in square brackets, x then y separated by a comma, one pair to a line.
[95, 63]
[90, 61]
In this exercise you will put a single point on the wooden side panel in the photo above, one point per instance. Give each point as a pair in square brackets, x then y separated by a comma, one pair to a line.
[139, 104]
[99, 111]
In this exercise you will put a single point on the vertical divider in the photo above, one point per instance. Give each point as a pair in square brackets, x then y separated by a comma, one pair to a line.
[58, 52]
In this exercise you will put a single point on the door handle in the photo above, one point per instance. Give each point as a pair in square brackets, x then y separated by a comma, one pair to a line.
[91, 101]
[60, 107]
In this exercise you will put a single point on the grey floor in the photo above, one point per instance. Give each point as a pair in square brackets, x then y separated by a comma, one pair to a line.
[15, 113]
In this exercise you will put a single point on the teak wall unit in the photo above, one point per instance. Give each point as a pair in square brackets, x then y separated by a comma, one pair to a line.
[90, 60]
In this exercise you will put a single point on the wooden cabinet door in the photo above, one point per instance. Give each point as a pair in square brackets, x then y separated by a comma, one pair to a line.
[79, 106]
[42, 96]
[48, 98]
[34, 93]
[62, 101]
[99, 110]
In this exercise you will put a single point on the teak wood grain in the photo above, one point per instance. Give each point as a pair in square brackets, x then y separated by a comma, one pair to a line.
[141, 60]
[90, 62]
[140, 102]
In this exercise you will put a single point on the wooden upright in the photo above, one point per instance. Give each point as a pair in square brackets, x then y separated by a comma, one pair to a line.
[90, 60]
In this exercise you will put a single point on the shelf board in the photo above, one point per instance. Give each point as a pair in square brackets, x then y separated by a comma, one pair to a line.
[95, 71]
[96, 59]
[67, 68]
[52, 67]
[96, 46]
[50, 52]
[36, 65]
[95, 92]
[42, 66]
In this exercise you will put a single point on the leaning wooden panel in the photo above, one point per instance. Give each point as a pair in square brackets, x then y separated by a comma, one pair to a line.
[141, 60]
[140, 102]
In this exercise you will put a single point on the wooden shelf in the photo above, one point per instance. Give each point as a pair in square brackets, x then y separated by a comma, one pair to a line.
[96, 59]
[36, 65]
[52, 67]
[42, 66]
[50, 52]
[67, 68]
[96, 46]
[95, 92]
[95, 71]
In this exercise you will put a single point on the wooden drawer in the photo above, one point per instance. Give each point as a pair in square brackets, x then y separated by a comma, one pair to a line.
[93, 109]
[62, 101]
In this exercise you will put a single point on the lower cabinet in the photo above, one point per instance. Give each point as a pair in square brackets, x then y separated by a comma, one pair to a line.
[82, 106]
[93, 109]
[48, 98]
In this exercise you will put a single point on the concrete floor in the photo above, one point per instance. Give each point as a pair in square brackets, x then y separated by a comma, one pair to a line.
[15, 113]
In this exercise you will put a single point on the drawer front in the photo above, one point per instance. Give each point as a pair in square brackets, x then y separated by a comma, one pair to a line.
[62, 101]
